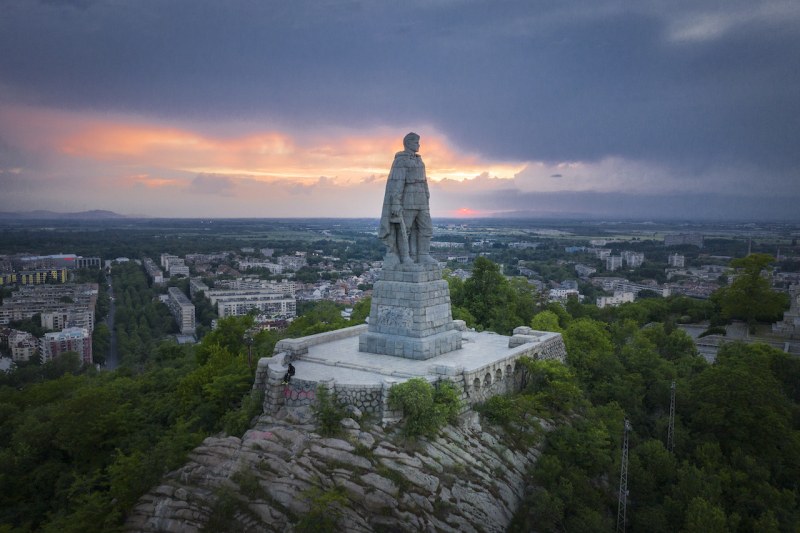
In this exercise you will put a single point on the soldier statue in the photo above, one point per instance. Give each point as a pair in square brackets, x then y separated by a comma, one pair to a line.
[406, 226]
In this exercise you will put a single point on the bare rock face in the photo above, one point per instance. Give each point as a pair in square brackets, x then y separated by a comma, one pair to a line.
[466, 479]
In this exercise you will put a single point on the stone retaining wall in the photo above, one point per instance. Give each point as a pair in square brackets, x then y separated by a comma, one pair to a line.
[478, 385]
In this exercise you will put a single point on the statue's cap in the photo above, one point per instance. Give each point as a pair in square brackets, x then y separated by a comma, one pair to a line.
[410, 136]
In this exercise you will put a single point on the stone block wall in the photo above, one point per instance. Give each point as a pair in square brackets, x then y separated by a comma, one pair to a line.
[502, 376]
[367, 398]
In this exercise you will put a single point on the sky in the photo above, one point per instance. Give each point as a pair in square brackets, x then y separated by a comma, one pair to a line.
[679, 109]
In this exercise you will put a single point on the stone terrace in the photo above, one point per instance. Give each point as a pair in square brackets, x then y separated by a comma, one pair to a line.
[483, 367]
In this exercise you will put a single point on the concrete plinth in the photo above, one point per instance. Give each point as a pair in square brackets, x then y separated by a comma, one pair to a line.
[410, 315]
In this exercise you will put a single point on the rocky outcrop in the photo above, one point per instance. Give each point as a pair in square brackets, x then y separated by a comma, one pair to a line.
[469, 478]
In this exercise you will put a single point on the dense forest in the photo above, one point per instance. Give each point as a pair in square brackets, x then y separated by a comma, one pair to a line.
[79, 447]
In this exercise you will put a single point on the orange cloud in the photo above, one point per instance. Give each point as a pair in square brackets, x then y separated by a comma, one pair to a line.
[269, 156]
[151, 182]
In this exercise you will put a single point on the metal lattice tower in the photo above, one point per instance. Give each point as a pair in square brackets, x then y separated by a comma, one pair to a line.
[623, 482]
[671, 427]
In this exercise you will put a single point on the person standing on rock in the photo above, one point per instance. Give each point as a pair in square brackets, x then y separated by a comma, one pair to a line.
[406, 226]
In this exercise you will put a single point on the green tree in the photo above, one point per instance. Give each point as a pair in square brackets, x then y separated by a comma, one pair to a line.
[361, 311]
[490, 299]
[546, 321]
[749, 296]
[426, 409]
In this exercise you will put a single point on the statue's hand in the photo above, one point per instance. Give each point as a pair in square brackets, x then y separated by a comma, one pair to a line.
[397, 211]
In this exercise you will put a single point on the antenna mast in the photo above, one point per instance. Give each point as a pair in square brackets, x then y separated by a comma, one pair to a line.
[671, 430]
[623, 482]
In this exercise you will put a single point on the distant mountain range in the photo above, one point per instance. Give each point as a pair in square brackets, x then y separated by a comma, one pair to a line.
[96, 214]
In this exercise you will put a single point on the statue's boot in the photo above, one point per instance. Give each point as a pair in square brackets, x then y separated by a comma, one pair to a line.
[424, 248]
[390, 261]
[402, 249]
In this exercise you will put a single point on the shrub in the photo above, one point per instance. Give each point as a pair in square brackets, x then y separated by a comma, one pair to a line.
[499, 409]
[238, 421]
[425, 409]
[714, 330]
[329, 413]
[324, 510]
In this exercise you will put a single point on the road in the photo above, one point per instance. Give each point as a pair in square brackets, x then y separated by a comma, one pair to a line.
[112, 360]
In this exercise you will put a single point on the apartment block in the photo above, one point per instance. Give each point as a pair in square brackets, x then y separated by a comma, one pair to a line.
[182, 309]
[68, 340]
[72, 304]
[275, 305]
[285, 287]
[613, 262]
[584, 271]
[68, 317]
[155, 273]
[633, 259]
[21, 344]
[676, 260]
[294, 262]
[196, 286]
[248, 264]
[619, 297]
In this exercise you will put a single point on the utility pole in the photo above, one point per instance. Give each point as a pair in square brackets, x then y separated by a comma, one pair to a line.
[623, 482]
[248, 340]
[671, 429]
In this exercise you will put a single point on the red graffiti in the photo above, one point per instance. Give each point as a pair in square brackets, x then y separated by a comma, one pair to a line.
[292, 394]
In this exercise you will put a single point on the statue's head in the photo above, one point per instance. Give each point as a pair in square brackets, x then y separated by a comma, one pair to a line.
[411, 142]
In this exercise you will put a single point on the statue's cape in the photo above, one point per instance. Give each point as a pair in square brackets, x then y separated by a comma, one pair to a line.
[395, 182]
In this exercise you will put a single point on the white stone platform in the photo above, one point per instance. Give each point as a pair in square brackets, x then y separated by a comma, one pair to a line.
[485, 365]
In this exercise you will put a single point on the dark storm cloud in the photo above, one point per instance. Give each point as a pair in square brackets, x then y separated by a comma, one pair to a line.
[684, 84]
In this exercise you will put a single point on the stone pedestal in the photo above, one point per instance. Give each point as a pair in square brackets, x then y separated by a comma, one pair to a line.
[410, 315]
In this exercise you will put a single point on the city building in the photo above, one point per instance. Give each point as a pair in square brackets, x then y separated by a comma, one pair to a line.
[613, 262]
[569, 284]
[155, 273]
[633, 259]
[574, 249]
[248, 264]
[275, 305]
[561, 295]
[54, 262]
[70, 304]
[21, 344]
[68, 317]
[619, 297]
[790, 325]
[584, 271]
[623, 285]
[196, 286]
[285, 287]
[68, 340]
[165, 260]
[38, 277]
[182, 309]
[240, 296]
[293, 262]
[676, 260]
[600, 253]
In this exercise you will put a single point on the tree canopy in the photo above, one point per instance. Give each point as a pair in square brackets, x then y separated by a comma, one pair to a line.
[749, 297]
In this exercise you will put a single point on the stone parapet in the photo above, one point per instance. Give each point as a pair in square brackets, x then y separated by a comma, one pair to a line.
[499, 373]
[296, 347]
